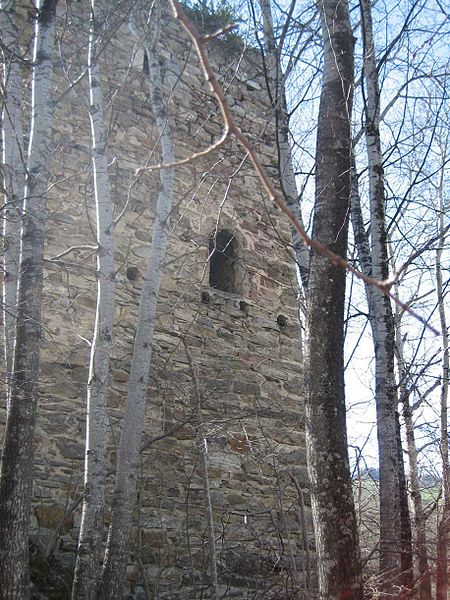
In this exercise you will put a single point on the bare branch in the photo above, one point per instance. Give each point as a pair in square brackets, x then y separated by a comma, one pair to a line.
[232, 130]
[73, 249]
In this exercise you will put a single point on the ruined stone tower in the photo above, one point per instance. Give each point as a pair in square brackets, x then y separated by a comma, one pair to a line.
[228, 301]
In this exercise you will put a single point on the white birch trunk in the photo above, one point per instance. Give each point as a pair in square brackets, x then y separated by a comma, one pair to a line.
[444, 523]
[116, 556]
[17, 460]
[285, 158]
[91, 529]
[359, 232]
[331, 487]
[365, 261]
[382, 324]
[13, 176]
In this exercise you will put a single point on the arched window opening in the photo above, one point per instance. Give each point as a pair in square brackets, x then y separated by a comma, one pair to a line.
[223, 255]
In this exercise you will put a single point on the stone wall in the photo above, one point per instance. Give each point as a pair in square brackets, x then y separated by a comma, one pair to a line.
[244, 345]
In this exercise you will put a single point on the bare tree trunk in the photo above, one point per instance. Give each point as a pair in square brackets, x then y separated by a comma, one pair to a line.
[419, 514]
[331, 486]
[406, 550]
[392, 523]
[116, 555]
[444, 523]
[277, 91]
[17, 460]
[421, 550]
[365, 259]
[202, 445]
[91, 529]
[359, 232]
[13, 176]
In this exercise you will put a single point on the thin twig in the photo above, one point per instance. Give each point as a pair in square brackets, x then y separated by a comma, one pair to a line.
[73, 249]
[203, 452]
[218, 33]
[188, 159]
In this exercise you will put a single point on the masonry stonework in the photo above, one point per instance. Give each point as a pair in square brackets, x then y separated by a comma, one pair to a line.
[244, 343]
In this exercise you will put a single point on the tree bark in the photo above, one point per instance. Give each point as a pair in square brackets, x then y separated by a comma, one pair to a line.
[444, 523]
[406, 549]
[393, 512]
[276, 84]
[13, 171]
[17, 459]
[416, 493]
[116, 556]
[91, 529]
[202, 447]
[331, 487]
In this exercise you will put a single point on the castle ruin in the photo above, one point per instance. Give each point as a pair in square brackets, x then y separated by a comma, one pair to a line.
[227, 335]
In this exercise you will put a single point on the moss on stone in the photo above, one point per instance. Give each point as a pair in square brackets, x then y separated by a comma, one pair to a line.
[49, 578]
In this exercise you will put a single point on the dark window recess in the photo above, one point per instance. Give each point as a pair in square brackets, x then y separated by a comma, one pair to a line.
[222, 250]
[145, 67]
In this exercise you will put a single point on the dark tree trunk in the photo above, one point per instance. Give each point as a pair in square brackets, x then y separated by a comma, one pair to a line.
[406, 558]
[13, 175]
[331, 486]
[17, 459]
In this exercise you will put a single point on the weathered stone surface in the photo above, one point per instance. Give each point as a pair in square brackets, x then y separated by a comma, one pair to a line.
[53, 516]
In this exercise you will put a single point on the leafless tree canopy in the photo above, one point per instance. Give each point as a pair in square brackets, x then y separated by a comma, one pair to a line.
[224, 300]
